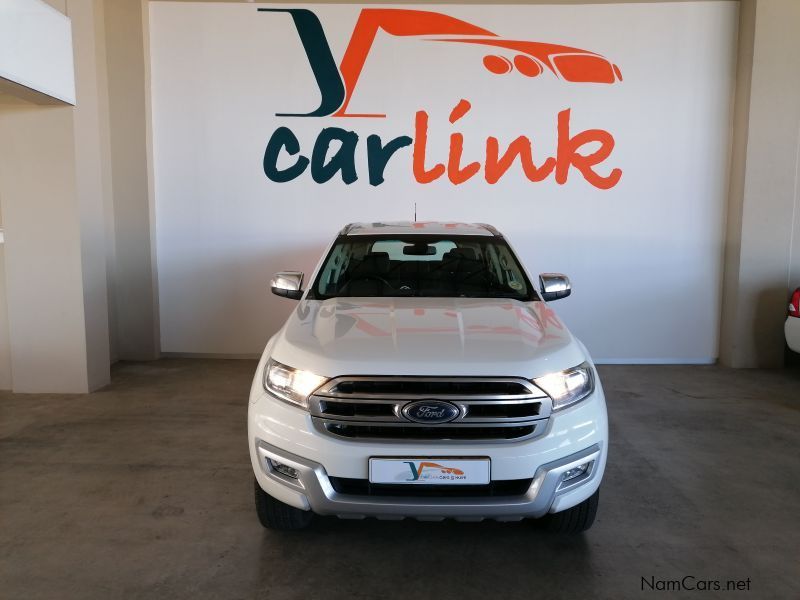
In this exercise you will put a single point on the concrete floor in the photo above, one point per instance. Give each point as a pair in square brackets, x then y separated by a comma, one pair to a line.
[144, 490]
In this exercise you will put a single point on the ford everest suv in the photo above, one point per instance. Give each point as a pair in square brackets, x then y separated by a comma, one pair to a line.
[421, 375]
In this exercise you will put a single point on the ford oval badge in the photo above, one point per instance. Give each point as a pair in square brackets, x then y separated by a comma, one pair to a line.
[430, 412]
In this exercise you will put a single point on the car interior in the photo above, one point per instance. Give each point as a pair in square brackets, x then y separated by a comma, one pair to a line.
[427, 268]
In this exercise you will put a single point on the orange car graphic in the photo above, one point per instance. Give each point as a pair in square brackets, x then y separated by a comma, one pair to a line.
[416, 470]
[530, 58]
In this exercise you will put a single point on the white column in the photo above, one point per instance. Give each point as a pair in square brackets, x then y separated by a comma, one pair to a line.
[52, 183]
[134, 275]
[44, 282]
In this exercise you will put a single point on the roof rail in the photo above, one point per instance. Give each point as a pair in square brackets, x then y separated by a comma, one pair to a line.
[347, 228]
[491, 229]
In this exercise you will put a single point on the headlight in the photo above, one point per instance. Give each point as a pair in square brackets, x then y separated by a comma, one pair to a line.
[567, 387]
[291, 385]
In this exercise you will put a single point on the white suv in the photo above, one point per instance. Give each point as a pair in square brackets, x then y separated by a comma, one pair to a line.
[421, 375]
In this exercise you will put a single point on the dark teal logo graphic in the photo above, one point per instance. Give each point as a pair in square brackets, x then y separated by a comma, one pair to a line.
[320, 58]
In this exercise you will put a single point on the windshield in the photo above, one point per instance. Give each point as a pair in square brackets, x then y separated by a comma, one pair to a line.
[424, 266]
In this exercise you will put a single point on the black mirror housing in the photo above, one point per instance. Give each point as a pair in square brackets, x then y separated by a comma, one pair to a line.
[291, 294]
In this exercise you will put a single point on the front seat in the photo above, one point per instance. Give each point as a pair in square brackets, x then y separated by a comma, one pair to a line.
[467, 271]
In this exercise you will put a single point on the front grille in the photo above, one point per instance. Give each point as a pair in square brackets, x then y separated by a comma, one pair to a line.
[363, 487]
[504, 411]
[426, 388]
[487, 409]
[356, 409]
[443, 433]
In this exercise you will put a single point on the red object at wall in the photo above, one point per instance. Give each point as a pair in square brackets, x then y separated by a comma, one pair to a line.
[794, 304]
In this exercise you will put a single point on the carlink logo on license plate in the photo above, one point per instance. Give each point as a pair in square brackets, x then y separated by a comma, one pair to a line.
[472, 471]
[425, 470]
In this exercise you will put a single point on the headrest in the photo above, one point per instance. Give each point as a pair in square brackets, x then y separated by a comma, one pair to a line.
[467, 253]
[376, 262]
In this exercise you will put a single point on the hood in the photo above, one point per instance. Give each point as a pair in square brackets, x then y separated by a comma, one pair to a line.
[426, 336]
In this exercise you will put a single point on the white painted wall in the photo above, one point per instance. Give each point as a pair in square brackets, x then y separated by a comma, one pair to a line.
[644, 256]
[5, 345]
[763, 247]
[794, 271]
[36, 48]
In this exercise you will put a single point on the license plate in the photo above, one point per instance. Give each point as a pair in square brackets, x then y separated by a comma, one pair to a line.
[436, 471]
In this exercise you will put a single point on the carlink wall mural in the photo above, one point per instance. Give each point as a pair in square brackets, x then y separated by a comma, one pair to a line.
[594, 136]
[337, 84]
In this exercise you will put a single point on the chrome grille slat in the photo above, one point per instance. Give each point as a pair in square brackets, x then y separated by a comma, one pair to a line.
[332, 387]
[401, 433]
[349, 407]
[363, 399]
[410, 397]
[460, 424]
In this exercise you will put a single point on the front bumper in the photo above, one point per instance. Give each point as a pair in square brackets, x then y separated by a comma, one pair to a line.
[312, 490]
[286, 434]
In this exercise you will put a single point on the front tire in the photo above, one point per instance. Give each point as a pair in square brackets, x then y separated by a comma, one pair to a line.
[574, 520]
[274, 514]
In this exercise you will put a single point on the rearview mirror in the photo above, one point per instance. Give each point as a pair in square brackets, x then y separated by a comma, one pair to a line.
[422, 249]
[288, 284]
[554, 286]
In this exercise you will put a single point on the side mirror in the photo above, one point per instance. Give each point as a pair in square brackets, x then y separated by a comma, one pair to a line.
[288, 284]
[554, 286]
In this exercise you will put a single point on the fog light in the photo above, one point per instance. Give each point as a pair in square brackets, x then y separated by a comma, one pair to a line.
[283, 469]
[575, 472]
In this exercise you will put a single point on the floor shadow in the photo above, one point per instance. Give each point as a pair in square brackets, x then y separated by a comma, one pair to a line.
[415, 559]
